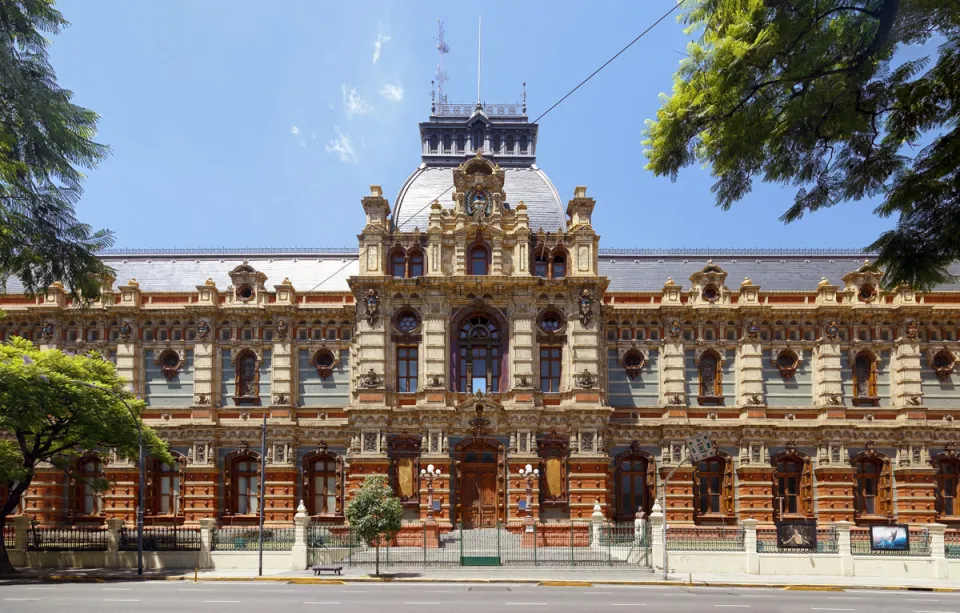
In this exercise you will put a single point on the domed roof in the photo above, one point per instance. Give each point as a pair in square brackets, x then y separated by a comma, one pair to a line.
[529, 184]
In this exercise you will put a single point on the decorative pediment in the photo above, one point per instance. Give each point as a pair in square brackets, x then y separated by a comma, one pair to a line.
[247, 284]
[863, 285]
[708, 284]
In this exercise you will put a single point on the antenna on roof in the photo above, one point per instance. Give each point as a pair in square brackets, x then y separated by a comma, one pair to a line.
[442, 49]
[479, 53]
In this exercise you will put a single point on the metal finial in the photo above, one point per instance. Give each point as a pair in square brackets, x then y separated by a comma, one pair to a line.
[524, 97]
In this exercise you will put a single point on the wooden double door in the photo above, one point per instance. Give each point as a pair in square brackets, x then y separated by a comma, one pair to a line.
[478, 491]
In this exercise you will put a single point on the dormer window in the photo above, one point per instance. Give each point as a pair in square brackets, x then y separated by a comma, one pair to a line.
[245, 293]
[867, 293]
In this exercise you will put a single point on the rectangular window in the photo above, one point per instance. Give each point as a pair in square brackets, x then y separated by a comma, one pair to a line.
[550, 369]
[407, 370]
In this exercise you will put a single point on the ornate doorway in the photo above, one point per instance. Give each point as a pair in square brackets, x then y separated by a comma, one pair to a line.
[481, 489]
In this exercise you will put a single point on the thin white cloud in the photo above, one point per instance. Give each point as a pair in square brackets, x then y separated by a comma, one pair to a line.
[392, 92]
[354, 104]
[343, 147]
[378, 46]
[299, 135]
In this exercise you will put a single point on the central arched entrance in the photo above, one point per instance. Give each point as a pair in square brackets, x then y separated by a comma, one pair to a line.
[479, 464]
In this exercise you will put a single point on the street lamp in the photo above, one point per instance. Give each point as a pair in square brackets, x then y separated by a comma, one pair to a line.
[529, 473]
[429, 474]
[142, 493]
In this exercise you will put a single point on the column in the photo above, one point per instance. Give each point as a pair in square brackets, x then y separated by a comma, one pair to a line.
[113, 542]
[207, 526]
[673, 394]
[284, 362]
[656, 536]
[750, 546]
[750, 378]
[827, 383]
[301, 523]
[938, 551]
[843, 547]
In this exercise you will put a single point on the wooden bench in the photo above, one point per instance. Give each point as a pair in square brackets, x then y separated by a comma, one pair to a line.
[334, 569]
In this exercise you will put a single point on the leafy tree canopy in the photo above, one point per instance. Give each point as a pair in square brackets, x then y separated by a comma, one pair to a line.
[375, 513]
[50, 413]
[45, 141]
[812, 94]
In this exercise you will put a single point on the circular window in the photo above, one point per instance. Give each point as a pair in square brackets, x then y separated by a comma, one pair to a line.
[944, 362]
[407, 322]
[170, 359]
[867, 293]
[633, 361]
[169, 364]
[244, 292]
[324, 361]
[711, 293]
[787, 363]
[551, 322]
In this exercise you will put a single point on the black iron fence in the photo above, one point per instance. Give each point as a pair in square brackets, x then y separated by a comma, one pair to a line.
[248, 539]
[67, 538]
[567, 544]
[705, 538]
[951, 544]
[161, 538]
[9, 537]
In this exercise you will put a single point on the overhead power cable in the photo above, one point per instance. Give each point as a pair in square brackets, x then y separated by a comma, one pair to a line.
[537, 120]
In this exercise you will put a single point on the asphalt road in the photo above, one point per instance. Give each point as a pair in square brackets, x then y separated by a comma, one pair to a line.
[443, 598]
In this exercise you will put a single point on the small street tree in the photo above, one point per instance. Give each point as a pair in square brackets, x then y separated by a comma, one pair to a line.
[49, 413]
[375, 513]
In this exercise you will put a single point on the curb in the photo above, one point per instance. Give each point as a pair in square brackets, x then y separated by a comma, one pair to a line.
[813, 587]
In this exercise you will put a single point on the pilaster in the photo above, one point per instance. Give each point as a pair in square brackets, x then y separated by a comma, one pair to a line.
[750, 378]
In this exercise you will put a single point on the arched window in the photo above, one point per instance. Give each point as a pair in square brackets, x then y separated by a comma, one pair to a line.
[713, 489]
[523, 145]
[479, 260]
[636, 477]
[164, 483]
[541, 266]
[478, 139]
[446, 144]
[711, 386]
[86, 499]
[398, 264]
[865, 379]
[558, 267]
[872, 486]
[433, 144]
[948, 486]
[323, 473]
[243, 483]
[248, 378]
[416, 264]
[479, 344]
[793, 486]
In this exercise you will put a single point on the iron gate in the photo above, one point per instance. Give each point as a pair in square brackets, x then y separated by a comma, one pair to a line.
[563, 544]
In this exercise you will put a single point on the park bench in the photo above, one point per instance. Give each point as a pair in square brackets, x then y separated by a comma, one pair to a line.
[334, 569]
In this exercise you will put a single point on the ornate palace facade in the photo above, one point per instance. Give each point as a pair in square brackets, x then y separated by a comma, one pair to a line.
[480, 328]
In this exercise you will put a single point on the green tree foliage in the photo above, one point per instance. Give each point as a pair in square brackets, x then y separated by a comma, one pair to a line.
[49, 413]
[45, 141]
[375, 513]
[812, 94]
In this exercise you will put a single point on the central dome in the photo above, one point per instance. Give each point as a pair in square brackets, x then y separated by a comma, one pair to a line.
[457, 132]
[531, 185]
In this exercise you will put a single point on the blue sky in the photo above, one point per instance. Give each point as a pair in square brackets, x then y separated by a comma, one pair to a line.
[262, 124]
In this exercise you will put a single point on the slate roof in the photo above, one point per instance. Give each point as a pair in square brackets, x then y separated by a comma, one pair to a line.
[771, 269]
[642, 270]
[427, 183]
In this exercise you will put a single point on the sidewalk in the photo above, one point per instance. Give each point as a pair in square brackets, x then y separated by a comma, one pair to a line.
[595, 576]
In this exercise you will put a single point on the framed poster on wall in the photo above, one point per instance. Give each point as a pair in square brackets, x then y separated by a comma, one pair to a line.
[797, 535]
[890, 538]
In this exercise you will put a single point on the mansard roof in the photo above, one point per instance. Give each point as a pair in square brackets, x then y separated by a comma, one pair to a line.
[629, 270]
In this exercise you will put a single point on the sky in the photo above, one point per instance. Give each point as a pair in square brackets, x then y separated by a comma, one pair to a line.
[262, 124]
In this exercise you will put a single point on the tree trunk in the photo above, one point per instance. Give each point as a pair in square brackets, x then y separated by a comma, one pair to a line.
[6, 568]
[377, 571]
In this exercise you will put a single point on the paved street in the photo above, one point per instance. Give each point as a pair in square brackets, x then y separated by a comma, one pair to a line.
[461, 598]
